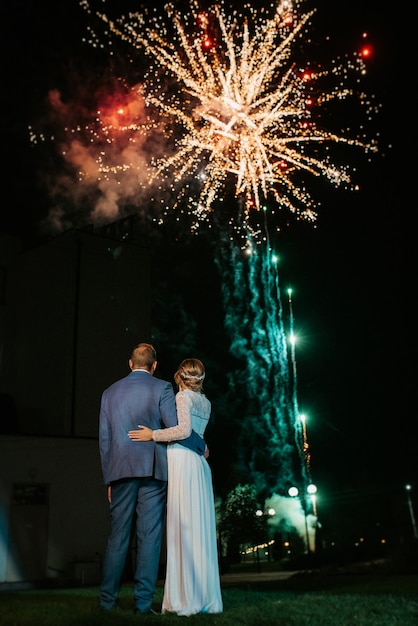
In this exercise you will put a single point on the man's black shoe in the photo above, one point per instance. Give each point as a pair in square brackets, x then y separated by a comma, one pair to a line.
[150, 612]
[109, 609]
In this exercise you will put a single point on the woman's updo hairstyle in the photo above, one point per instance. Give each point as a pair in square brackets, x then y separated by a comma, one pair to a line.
[191, 372]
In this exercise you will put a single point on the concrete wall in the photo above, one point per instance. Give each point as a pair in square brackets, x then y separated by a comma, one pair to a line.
[71, 310]
[54, 519]
[74, 309]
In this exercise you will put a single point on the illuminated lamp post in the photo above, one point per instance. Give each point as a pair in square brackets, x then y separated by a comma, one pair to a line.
[311, 493]
[408, 489]
[312, 489]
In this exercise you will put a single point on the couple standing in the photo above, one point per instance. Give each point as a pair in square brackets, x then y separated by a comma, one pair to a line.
[138, 414]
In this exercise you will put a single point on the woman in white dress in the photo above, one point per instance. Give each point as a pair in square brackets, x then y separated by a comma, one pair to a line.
[192, 583]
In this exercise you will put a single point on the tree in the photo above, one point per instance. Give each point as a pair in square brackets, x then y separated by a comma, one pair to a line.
[238, 523]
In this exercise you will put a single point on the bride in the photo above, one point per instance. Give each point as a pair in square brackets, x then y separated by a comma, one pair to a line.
[192, 583]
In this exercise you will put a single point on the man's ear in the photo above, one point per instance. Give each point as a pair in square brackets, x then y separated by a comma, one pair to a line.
[130, 363]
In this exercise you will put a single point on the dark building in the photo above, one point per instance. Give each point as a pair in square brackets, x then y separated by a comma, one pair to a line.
[71, 310]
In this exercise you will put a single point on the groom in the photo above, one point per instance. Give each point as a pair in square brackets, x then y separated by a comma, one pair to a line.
[136, 475]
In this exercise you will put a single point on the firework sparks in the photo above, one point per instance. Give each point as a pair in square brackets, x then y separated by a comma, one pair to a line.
[244, 110]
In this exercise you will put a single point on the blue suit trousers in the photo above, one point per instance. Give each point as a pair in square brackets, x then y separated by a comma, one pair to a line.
[141, 501]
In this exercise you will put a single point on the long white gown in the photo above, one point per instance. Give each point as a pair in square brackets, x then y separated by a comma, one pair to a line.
[192, 583]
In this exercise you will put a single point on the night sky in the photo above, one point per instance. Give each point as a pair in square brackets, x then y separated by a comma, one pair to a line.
[353, 276]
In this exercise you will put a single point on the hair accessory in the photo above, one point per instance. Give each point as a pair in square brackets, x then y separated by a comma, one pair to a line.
[192, 377]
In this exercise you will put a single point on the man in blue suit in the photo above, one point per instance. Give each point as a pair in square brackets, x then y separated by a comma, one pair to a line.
[136, 475]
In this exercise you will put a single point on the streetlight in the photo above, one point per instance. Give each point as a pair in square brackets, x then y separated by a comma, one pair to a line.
[311, 491]
[411, 510]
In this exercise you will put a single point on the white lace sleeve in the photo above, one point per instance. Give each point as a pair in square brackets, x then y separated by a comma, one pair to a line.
[184, 427]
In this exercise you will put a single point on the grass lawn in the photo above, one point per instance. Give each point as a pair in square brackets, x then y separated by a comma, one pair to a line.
[367, 597]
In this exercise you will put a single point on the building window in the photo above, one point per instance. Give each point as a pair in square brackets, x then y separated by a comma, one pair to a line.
[25, 494]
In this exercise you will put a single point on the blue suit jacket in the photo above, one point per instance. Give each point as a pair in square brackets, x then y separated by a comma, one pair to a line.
[139, 398]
